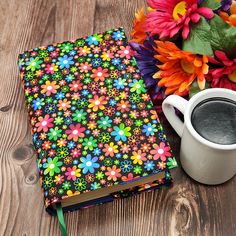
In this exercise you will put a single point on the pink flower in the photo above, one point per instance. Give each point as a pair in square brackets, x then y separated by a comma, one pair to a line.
[51, 68]
[171, 16]
[224, 75]
[160, 151]
[44, 123]
[75, 152]
[75, 132]
[85, 67]
[99, 74]
[126, 52]
[72, 173]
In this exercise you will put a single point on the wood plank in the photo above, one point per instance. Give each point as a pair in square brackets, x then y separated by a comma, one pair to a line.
[188, 208]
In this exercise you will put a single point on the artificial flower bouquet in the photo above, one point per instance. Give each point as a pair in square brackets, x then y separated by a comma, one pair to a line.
[184, 46]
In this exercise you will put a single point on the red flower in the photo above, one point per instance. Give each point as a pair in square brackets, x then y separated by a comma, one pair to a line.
[160, 151]
[51, 68]
[224, 75]
[75, 132]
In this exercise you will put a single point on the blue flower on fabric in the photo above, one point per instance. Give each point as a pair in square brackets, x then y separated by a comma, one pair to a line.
[92, 40]
[115, 61]
[96, 62]
[120, 83]
[37, 104]
[88, 164]
[95, 186]
[50, 108]
[148, 129]
[118, 35]
[51, 48]
[126, 166]
[72, 52]
[65, 62]
[85, 92]
[149, 165]
[112, 102]
[96, 151]
[60, 95]
[69, 78]
[71, 145]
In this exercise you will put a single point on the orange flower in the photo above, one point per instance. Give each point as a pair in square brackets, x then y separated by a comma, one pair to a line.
[49, 88]
[230, 19]
[179, 69]
[138, 34]
[97, 103]
[63, 105]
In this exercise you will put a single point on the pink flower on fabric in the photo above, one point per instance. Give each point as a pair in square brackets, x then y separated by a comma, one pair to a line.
[171, 16]
[160, 151]
[126, 52]
[72, 173]
[44, 123]
[75, 132]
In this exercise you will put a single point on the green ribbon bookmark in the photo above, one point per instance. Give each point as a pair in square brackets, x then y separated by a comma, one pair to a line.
[61, 220]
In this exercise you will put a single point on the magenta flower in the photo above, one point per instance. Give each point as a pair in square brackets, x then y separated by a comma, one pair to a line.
[224, 73]
[171, 16]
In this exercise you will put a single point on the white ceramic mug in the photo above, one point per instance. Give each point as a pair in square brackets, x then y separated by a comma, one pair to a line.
[204, 161]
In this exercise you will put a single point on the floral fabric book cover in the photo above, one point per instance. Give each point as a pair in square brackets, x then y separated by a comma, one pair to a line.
[95, 132]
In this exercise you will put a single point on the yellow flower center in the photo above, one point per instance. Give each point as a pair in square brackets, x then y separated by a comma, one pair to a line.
[179, 10]
[187, 66]
[232, 76]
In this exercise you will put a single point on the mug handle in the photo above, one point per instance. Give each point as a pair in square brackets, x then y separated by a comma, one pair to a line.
[171, 102]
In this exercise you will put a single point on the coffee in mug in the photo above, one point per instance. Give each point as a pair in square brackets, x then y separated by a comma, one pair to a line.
[215, 120]
[208, 133]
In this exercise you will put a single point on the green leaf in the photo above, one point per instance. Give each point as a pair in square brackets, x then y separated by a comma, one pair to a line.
[223, 36]
[213, 4]
[198, 41]
[195, 89]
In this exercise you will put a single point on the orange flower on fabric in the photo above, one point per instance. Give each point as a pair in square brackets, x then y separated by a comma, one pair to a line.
[63, 104]
[138, 34]
[113, 173]
[99, 74]
[49, 87]
[97, 103]
[179, 68]
[123, 106]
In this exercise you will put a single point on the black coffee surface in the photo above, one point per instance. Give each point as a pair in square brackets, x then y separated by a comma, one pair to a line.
[215, 120]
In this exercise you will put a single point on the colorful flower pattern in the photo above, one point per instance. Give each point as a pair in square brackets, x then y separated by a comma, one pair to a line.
[93, 122]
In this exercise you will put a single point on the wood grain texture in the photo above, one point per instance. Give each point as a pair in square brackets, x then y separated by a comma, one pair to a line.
[188, 208]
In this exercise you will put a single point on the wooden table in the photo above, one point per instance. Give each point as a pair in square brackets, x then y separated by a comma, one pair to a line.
[188, 208]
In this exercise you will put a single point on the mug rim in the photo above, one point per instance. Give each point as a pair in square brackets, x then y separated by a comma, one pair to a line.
[187, 116]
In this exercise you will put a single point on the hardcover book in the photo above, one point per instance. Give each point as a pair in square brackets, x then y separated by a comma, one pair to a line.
[95, 132]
